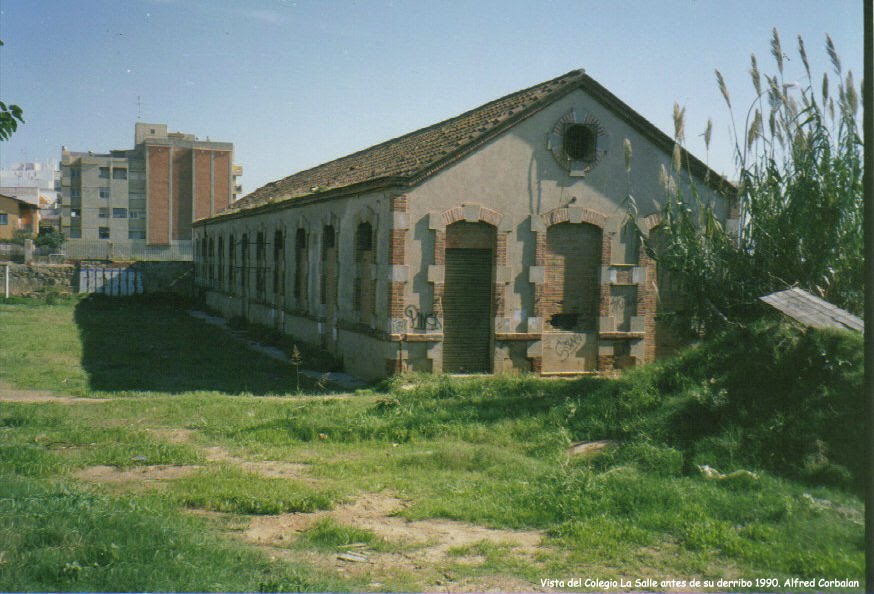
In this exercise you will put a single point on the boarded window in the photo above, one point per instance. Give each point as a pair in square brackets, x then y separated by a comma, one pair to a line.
[571, 291]
[363, 301]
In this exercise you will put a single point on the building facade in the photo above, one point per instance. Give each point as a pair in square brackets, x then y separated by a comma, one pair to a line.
[142, 201]
[495, 241]
[38, 183]
[17, 215]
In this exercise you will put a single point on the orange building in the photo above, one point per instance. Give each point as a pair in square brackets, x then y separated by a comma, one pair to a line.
[17, 215]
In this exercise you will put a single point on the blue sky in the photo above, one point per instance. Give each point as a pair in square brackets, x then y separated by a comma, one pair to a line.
[295, 83]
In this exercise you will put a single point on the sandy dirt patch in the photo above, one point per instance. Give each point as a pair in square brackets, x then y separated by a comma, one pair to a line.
[376, 512]
[15, 395]
[268, 468]
[138, 477]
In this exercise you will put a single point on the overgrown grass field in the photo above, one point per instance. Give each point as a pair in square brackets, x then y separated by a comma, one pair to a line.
[193, 463]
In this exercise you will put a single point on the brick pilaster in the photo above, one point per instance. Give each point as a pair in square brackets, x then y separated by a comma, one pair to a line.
[605, 363]
[397, 257]
[647, 304]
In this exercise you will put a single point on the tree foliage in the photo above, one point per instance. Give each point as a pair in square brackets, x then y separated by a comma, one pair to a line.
[51, 238]
[799, 197]
[10, 117]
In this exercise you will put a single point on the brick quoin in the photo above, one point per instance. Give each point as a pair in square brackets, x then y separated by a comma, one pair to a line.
[158, 158]
[604, 296]
[396, 294]
[393, 366]
[397, 246]
[399, 203]
[439, 260]
[647, 304]
[501, 249]
[440, 247]
[437, 305]
[397, 257]
[500, 304]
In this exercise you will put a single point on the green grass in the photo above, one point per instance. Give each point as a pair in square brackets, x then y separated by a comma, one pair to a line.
[227, 489]
[58, 538]
[487, 451]
[329, 535]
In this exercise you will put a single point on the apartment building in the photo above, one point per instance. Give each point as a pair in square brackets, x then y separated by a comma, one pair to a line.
[140, 202]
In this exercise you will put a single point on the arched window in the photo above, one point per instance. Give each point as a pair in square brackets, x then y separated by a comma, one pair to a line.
[278, 263]
[232, 262]
[244, 264]
[363, 301]
[328, 280]
[210, 260]
[260, 265]
[301, 258]
[202, 257]
[221, 262]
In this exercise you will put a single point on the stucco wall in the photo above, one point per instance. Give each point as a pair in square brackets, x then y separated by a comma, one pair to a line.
[516, 178]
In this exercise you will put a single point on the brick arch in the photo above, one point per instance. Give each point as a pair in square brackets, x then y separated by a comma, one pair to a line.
[570, 214]
[650, 222]
[471, 213]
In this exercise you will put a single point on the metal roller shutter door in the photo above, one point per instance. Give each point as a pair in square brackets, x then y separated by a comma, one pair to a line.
[467, 317]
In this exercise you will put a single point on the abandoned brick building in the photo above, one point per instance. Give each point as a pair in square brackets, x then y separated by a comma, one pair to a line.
[493, 241]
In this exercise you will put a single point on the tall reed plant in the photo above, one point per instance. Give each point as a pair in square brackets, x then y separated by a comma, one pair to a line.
[798, 198]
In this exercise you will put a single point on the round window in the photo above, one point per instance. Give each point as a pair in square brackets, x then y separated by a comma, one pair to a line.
[580, 142]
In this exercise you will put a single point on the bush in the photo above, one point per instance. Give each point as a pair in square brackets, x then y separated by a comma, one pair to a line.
[50, 238]
[799, 159]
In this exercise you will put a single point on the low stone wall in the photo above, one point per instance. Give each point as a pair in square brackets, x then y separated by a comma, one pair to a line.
[156, 277]
[28, 279]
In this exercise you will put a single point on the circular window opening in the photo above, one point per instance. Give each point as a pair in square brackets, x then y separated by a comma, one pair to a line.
[580, 142]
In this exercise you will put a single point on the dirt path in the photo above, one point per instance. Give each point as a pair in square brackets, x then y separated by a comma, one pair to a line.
[16, 395]
[8, 394]
[425, 546]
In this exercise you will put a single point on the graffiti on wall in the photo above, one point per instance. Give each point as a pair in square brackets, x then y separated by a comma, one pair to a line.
[565, 347]
[422, 321]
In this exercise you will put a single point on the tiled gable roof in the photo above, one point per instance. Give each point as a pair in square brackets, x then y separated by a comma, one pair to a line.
[411, 158]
